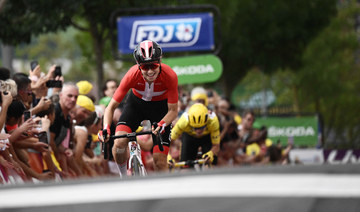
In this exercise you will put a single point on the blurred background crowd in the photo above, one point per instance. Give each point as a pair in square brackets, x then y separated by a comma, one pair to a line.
[49, 129]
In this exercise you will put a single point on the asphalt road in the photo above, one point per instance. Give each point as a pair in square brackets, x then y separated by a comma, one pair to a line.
[318, 188]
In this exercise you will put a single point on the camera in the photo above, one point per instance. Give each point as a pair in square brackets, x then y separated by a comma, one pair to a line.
[54, 84]
[33, 65]
[27, 115]
[6, 87]
[57, 71]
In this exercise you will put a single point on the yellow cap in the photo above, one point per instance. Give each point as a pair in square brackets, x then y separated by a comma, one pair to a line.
[85, 102]
[237, 119]
[200, 96]
[84, 87]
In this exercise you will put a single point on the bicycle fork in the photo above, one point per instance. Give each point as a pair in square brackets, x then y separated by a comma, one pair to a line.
[135, 164]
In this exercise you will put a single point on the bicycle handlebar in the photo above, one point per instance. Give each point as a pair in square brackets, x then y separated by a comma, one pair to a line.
[129, 135]
[189, 163]
[158, 140]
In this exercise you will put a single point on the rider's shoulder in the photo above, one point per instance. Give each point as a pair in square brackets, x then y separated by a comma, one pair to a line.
[183, 120]
[167, 68]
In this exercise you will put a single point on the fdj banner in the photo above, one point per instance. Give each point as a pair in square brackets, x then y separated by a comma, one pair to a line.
[302, 130]
[173, 32]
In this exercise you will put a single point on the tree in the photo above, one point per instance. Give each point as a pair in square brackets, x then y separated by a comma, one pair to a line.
[22, 19]
[268, 34]
[93, 17]
[329, 81]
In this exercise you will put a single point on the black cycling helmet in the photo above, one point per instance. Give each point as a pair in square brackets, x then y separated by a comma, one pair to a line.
[147, 51]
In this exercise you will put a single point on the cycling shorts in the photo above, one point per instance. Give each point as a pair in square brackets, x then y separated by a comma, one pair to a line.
[136, 110]
[190, 146]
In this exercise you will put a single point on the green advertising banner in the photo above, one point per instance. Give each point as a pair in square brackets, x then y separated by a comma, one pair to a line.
[303, 130]
[196, 69]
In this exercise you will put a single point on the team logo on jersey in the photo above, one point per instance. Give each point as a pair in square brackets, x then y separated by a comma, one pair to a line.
[182, 32]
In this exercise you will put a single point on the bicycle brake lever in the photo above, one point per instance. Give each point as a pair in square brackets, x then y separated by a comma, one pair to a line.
[160, 141]
[104, 145]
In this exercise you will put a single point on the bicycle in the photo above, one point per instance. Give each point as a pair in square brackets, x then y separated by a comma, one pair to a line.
[135, 164]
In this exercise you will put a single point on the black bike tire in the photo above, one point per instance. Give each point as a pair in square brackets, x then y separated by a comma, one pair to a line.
[136, 166]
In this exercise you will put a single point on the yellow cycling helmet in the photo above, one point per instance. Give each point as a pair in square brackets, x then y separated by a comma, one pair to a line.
[198, 115]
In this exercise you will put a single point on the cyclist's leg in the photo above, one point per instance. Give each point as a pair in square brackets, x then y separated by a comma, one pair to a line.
[128, 122]
[120, 151]
[189, 147]
[154, 112]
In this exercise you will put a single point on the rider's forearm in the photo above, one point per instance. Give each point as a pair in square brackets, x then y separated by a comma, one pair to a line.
[171, 114]
[108, 114]
[215, 148]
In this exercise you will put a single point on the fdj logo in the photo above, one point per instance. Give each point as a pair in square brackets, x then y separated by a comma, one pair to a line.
[167, 32]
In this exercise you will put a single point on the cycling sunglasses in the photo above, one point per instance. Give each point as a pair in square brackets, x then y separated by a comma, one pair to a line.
[148, 66]
[200, 128]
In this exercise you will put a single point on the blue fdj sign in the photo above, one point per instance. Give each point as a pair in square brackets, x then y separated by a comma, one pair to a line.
[173, 32]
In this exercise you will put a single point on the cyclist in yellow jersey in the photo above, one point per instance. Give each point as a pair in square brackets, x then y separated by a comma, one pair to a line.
[198, 127]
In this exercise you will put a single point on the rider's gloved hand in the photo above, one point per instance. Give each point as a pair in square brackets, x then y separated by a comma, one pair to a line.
[104, 133]
[162, 126]
[170, 161]
[209, 156]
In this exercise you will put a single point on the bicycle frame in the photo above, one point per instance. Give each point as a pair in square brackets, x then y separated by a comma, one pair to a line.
[135, 164]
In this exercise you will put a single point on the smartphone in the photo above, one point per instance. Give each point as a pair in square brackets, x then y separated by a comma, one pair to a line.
[54, 84]
[57, 71]
[43, 137]
[27, 115]
[33, 65]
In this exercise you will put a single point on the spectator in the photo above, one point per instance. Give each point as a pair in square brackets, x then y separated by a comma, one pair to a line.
[83, 109]
[198, 95]
[51, 164]
[83, 139]
[4, 73]
[246, 126]
[25, 94]
[22, 137]
[108, 91]
[213, 99]
[228, 125]
[60, 130]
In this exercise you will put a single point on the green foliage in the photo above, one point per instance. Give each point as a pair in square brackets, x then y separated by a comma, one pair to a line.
[22, 19]
[330, 80]
[268, 34]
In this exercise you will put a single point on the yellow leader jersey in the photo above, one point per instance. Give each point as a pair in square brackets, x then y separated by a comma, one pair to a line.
[212, 128]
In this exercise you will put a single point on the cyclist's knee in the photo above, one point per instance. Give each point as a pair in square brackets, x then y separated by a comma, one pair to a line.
[121, 143]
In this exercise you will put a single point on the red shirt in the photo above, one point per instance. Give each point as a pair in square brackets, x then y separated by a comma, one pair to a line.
[164, 86]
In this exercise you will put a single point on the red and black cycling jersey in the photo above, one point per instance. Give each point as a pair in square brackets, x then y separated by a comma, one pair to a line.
[164, 87]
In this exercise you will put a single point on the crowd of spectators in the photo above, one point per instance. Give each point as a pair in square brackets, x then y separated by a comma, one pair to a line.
[49, 126]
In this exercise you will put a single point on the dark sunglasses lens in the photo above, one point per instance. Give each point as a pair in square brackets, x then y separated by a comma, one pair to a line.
[151, 66]
[200, 128]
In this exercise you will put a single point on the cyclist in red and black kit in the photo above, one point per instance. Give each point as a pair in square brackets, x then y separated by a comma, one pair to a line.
[153, 96]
